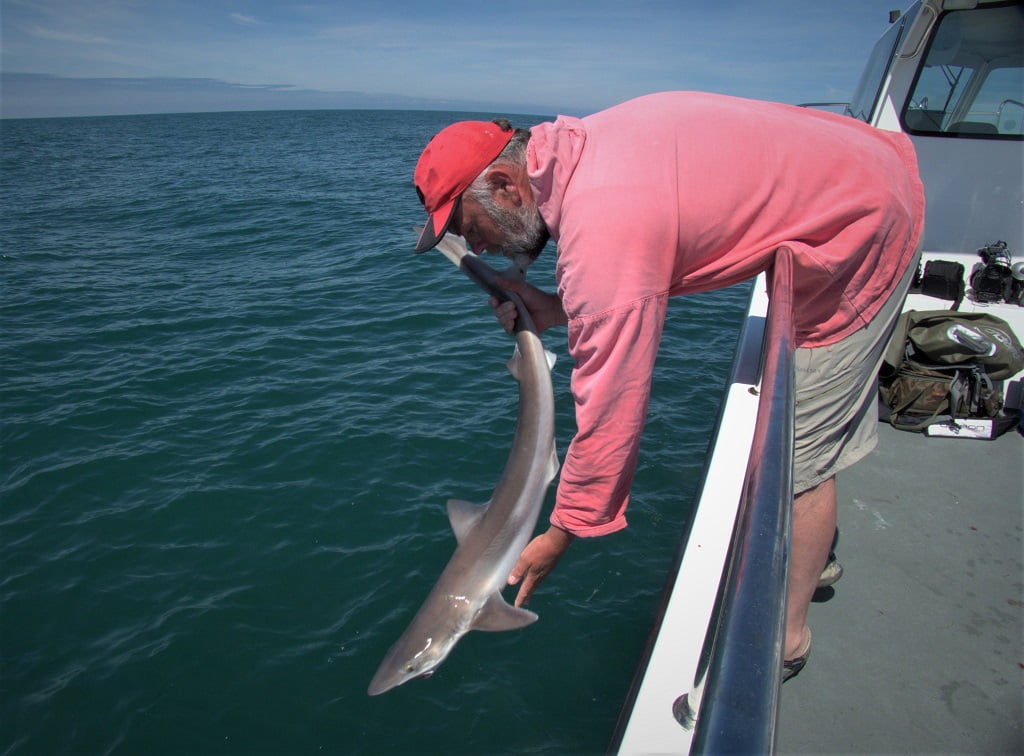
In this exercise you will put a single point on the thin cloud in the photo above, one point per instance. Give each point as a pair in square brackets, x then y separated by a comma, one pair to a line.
[241, 19]
[57, 35]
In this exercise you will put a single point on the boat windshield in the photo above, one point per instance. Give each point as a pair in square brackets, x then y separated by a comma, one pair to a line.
[869, 89]
[972, 81]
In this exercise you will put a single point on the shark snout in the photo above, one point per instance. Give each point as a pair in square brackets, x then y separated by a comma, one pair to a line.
[388, 678]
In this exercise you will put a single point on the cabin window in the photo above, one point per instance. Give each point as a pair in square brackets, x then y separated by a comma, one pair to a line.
[972, 82]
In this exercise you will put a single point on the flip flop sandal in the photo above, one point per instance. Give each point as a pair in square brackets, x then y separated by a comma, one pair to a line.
[791, 667]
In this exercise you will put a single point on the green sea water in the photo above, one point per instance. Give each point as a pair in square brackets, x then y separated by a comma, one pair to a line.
[232, 406]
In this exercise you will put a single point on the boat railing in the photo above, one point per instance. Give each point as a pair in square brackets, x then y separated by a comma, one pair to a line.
[733, 706]
[832, 107]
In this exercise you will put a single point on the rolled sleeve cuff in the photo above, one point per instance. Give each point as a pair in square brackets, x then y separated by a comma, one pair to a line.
[585, 530]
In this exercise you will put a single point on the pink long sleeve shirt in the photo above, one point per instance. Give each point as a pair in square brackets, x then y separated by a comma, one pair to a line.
[684, 192]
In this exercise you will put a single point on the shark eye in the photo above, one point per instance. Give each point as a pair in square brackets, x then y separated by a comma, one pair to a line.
[410, 667]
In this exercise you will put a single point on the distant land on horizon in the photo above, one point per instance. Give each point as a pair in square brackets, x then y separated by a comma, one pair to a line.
[29, 95]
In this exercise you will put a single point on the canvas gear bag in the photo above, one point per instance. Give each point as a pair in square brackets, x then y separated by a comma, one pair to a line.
[949, 338]
[940, 366]
[919, 396]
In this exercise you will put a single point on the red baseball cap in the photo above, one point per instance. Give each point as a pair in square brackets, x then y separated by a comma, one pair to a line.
[449, 163]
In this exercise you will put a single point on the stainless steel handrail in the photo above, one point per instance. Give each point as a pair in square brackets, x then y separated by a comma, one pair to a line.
[740, 672]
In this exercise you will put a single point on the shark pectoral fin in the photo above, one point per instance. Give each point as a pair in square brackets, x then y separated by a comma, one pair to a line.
[551, 358]
[464, 516]
[497, 615]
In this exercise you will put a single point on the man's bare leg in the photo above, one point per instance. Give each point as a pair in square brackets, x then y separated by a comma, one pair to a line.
[814, 524]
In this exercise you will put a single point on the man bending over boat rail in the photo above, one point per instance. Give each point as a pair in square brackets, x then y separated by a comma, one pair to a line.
[684, 192]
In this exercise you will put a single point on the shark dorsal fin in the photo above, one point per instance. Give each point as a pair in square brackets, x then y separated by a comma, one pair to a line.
[516, 360]
[464, 516]
[497, 615]
[514, 363]
[553, 465]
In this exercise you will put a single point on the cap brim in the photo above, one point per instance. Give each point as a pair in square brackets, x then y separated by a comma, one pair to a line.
[436, 226]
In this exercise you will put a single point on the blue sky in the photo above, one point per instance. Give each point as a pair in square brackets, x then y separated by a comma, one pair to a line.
[92, 57]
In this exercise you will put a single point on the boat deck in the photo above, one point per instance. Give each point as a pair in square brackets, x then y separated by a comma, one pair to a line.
[919, 648]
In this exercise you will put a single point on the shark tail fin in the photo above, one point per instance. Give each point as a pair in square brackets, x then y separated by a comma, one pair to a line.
[497, 615]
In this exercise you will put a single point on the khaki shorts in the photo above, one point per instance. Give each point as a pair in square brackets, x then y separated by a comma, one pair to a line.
[836, 422]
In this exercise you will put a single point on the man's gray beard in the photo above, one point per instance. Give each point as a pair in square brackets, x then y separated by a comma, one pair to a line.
[523, 229]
